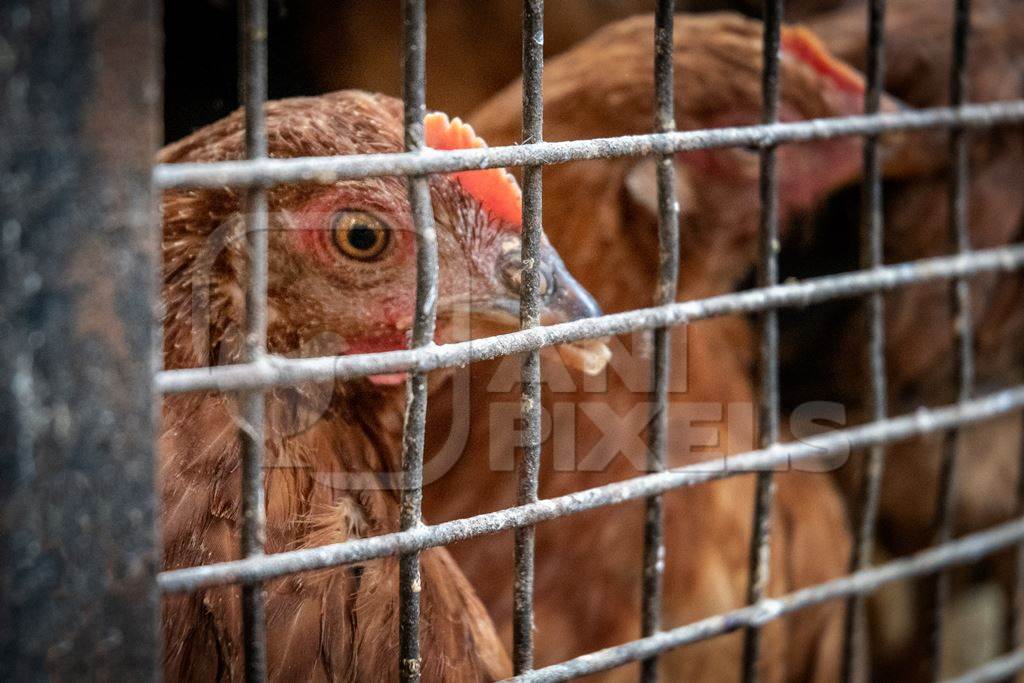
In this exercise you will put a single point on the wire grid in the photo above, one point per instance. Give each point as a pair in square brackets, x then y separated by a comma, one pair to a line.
[261, 371]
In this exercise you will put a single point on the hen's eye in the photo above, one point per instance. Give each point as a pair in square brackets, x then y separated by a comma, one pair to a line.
[359, 235]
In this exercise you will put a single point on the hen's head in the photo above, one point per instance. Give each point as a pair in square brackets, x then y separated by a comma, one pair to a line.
[605, 87]
[343, 255]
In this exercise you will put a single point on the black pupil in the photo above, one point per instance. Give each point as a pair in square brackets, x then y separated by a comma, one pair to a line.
[362, 237]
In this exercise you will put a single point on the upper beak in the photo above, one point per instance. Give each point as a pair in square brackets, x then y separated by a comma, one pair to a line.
[562, 300]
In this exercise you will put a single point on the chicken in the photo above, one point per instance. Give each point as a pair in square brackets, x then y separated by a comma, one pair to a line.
[341, 269]
[920, 354]
[602, 217]
[918, 44]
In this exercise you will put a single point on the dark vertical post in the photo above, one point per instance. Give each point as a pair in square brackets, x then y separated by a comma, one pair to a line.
[767, 275]
[871, 257]
[963, 327]
[79, 127]
[414, 55]
[528, 467]
[668, 275]
[253, 93]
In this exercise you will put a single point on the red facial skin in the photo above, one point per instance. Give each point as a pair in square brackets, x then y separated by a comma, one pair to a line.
[383, 290]
[312, 236]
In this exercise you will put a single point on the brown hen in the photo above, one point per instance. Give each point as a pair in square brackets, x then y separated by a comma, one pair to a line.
[342, 264]
[588, 566]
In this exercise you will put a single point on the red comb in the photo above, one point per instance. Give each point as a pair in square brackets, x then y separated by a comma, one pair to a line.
[803, 45]
[495, 188]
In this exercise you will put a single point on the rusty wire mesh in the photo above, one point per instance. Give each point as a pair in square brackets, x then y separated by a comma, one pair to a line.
[262, 371]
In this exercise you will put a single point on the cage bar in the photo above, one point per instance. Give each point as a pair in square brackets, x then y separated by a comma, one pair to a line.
[79, 543]
[767, 276]
[963, 327]
[331, 169]
[528, 467]
[413, 92]
[253, 93]
[871, 257]
[668, 276]
[276, 371]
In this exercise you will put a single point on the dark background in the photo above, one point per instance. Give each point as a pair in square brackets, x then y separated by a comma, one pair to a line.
[473, 48]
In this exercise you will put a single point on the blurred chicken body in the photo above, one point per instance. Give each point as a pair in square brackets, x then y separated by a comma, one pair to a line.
[588, 566]
[919, 48]
[342, 264]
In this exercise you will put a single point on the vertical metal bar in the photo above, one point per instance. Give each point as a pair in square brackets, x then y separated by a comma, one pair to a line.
[253, 87]
[871, 257]
[767, 275]
[528, 467]
[79, 127]
[413, 92]
[668, 275]
[962, 323]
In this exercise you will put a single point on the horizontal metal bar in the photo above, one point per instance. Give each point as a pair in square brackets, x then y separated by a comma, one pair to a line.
[923, 421]
[330, 169]
[998, 669]
[276, 371]
[968, 549]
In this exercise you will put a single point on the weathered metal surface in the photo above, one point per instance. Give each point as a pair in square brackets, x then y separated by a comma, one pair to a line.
[872, 247]
[528, 464]
[78, 130]
[414, 31]
[280, 371]
[665, 293]
[329, 169]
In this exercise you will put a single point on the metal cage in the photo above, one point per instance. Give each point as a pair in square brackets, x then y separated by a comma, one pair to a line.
[79, 576]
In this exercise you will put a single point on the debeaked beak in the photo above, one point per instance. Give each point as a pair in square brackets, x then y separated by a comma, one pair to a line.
[562, 299]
